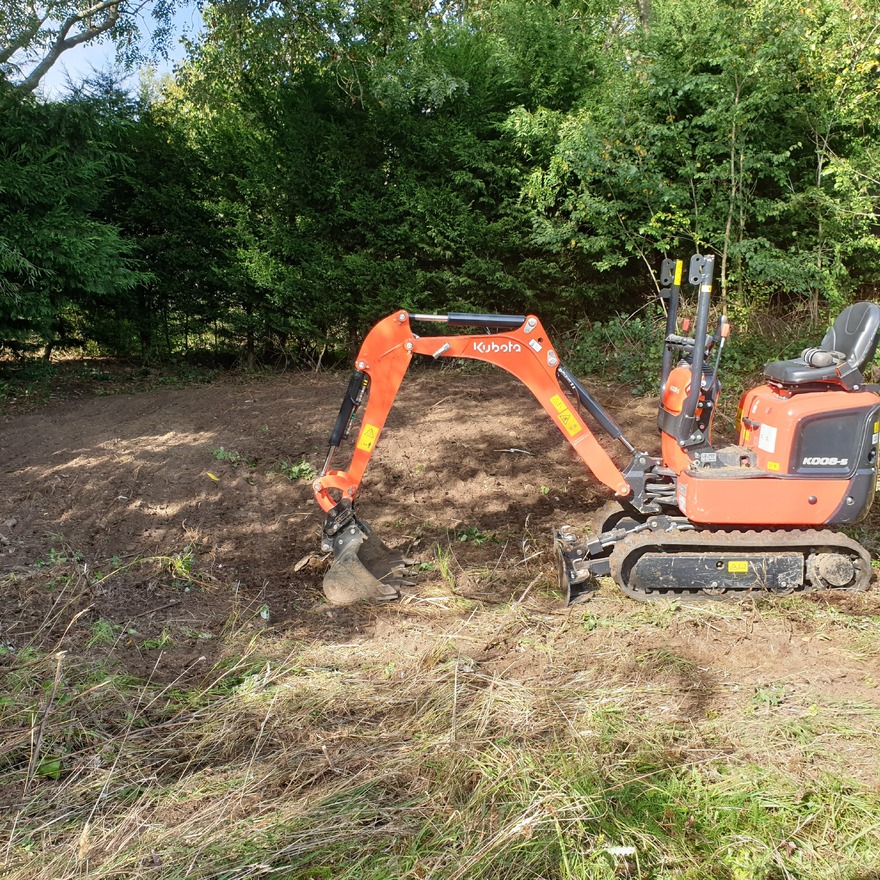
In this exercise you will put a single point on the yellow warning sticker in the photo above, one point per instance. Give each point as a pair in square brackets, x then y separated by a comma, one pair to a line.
[566, 416]
[738, 567]
[772, 465]
[367, 440]
[678, 267]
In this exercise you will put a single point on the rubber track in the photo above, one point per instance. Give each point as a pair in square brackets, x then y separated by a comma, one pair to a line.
[710, 541]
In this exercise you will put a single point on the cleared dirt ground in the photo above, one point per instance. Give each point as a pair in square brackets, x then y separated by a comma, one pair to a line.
[468, 463]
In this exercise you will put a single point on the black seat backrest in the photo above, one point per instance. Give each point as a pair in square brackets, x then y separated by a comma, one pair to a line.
[854, 334]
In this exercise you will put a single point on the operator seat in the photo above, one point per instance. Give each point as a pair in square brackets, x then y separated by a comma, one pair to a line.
[841, 358]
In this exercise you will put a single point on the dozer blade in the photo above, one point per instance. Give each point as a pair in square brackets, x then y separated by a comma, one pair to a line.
[577, 582]
[364, 569]
[579, 561]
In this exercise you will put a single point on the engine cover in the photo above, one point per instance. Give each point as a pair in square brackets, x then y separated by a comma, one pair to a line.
[811, 434]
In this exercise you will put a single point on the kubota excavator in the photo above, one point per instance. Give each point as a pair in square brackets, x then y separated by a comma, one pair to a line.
[697, 521]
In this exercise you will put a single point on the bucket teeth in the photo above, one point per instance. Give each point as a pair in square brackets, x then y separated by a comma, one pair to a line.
[363, 568]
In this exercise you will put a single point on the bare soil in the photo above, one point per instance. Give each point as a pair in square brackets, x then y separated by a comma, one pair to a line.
[172, 539]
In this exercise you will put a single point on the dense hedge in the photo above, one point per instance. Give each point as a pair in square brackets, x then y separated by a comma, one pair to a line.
[311, 167]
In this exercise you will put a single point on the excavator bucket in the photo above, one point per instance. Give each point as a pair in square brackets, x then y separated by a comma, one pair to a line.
[364, 569]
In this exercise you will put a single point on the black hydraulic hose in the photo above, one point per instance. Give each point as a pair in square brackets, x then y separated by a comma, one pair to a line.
[493, 322]
[594, 408]
[671, 319]
[353, 396]
[699, 357]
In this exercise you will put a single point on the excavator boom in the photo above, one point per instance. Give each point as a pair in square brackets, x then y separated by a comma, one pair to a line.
[518, 344]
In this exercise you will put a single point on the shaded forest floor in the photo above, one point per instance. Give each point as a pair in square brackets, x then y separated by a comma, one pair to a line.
[181, 701]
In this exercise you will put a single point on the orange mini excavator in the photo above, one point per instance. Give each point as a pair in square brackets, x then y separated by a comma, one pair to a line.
[698, 521]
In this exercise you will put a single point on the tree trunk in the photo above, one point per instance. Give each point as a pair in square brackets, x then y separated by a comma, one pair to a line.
[735, 185]
[145, 324]
[250, 343]
[166, 327]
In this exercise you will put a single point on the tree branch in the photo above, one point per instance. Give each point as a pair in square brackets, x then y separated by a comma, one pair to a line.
[63, 42]
[22, 39]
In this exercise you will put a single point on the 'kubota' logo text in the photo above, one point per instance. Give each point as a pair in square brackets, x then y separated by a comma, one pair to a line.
[816, 461]
[496, 347]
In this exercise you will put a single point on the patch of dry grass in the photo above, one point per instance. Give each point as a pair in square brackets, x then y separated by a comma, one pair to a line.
[419, 751]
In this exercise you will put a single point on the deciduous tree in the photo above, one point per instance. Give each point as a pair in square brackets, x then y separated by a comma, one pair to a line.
[34, 34]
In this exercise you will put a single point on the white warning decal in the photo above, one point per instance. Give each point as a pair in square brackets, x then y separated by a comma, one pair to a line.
[767, 439]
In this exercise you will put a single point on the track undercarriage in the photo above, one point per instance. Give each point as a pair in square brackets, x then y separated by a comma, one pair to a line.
[663, 557]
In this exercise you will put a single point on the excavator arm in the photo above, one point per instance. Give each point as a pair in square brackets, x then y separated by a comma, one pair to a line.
[520, 346]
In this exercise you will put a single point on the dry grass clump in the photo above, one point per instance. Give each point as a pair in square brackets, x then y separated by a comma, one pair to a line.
[299, 758]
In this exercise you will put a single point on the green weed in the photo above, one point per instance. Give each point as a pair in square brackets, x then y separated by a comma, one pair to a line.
[769, 697]
[234, 457]
[163, 640]
[444, 565]
[298, 470]
[94, 373]
[627, 348]
[181, 564]
[185, 374]
[103, 633]
[475, 536]
[58, 557]
[30, 379]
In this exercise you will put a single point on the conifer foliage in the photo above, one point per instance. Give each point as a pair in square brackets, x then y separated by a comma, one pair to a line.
[311, 167]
